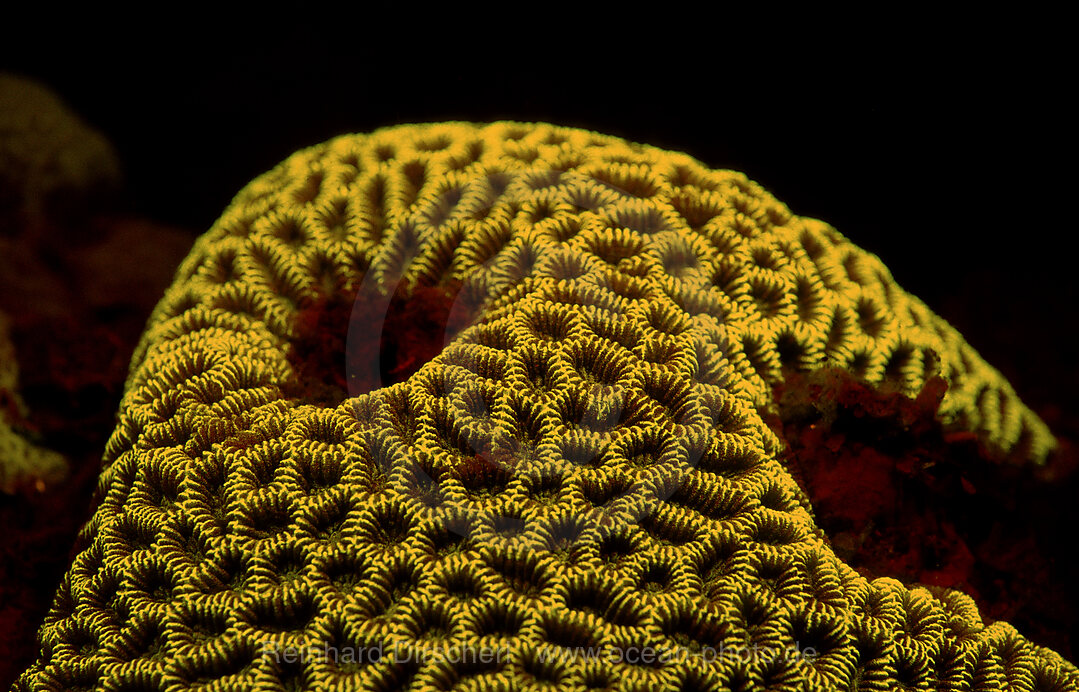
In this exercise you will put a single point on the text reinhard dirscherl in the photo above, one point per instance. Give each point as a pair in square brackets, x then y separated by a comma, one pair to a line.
[468, 654]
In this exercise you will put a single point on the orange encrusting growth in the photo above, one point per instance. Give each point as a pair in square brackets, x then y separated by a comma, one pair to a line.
[638, 310]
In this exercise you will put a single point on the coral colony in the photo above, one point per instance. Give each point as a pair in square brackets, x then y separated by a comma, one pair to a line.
[497, 406]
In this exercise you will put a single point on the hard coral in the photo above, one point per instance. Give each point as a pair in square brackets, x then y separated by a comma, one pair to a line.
[23, 464]
[586, 466]
[53, 167]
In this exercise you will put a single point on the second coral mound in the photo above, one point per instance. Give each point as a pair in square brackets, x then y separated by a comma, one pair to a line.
[581, 484]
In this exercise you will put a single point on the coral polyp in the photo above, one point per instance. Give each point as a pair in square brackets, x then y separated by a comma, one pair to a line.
[581, 464]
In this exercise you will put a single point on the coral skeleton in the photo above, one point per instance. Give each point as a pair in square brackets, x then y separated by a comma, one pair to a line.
[584, 463]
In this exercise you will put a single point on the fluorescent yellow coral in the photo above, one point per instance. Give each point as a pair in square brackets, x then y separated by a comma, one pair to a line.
[51, 162]
[584, 467]
[22, 463]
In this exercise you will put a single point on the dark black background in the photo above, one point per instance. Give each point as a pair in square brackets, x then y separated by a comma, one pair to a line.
[944, 147]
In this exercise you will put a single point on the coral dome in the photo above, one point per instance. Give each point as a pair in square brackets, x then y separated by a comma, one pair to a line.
[565, 450]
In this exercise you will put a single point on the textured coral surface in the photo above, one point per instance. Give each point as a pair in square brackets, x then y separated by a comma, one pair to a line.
[77, 312]
[586, 465]
[77, 285]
